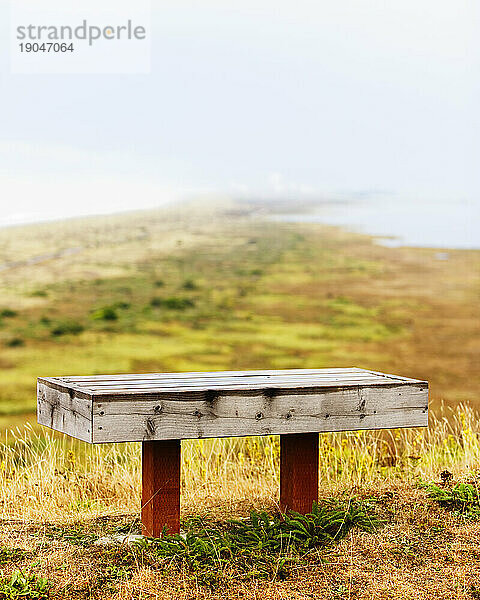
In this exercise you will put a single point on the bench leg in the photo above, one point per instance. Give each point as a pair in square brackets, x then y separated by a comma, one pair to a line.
[298, 472]
[160, 487]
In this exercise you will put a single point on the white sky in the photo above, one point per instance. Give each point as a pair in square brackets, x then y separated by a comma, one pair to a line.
[261, 97]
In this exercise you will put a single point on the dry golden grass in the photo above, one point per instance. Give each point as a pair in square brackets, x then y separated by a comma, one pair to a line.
[58, 496]
[58, 479]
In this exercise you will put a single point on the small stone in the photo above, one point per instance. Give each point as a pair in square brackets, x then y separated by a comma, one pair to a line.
[119, 539]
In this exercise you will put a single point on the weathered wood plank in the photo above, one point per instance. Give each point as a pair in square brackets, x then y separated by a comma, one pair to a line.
[231, 414]
[179, 385]
[57, 384]
[200, 378]
[203, 380]
[114, 394]
[211, 374]
[196, 381]
[206, 380]
[65, 412]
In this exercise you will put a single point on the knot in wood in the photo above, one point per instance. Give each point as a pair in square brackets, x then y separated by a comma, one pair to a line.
[210, 396]
[150, 426]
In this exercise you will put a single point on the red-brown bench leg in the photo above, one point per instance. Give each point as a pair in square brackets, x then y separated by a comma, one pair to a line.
[160, 487]
[298, 472]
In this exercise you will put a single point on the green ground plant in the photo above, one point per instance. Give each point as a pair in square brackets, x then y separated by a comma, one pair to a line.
[15, 342]
[462, 497]
[24, 586]
[261, 546]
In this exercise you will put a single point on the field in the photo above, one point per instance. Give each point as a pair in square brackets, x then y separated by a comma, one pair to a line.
[219, 285]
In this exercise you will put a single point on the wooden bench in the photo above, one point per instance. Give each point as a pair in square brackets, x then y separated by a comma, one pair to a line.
[160, 409]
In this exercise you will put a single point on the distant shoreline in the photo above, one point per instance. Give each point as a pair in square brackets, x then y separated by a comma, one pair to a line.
[442, 226]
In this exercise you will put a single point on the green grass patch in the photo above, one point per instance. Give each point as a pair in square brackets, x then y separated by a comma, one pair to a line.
[262, 546]
[461, 498]
[24, 586]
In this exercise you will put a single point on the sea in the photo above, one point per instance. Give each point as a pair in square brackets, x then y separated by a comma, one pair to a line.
[443, 224]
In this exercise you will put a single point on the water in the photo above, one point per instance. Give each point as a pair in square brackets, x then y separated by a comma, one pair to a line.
[402, 222]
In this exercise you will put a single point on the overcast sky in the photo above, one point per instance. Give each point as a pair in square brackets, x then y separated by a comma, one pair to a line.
[257, 96]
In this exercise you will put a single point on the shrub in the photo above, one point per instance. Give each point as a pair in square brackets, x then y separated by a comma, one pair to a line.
[39, 294]
[8, 312]
[107, 313]
[173, 303]
[189, 284]
[15, 342]
[159, 283]
[67, 327]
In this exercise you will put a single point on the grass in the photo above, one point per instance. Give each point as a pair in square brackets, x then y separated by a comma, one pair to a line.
[188, 289]
[91, 480]
[24, 586]
[377, 521]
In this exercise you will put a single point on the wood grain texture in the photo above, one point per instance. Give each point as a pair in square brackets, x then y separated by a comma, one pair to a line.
[195, 405]
[298, 472]
[160, 487]
[235, 414]
[65, 412]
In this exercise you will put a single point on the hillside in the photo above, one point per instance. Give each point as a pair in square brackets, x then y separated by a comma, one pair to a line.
[218, 285]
